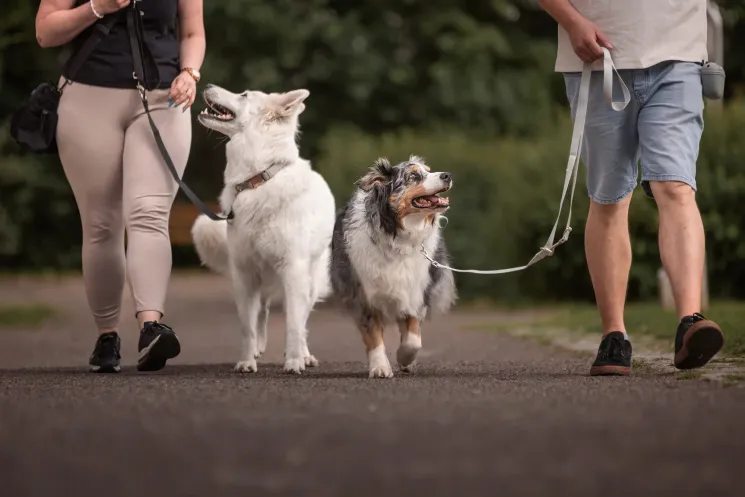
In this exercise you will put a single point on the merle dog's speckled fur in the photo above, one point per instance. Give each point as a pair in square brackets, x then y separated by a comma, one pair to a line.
[343, 278]
[387, 249]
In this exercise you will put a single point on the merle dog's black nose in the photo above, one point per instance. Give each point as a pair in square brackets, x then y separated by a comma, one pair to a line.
[209, 86]
[446, 177]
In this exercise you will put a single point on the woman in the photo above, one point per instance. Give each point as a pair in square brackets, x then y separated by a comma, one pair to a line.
[111, 161]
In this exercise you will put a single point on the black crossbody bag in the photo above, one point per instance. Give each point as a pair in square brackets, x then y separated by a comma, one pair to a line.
[34, 125]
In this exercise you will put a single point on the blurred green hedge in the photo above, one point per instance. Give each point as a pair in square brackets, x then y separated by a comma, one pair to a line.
[504, 204]
[39, 223]
[506, 197]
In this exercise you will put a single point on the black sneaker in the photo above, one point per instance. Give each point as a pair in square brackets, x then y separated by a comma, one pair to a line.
[157, 344]
[614, 356]
[697, 341]
[105, 357]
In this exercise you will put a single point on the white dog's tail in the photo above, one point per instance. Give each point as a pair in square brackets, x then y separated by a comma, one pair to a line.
[322, 276]
[211, 242]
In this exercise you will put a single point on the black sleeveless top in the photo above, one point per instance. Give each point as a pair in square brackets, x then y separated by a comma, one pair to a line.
[110, 63]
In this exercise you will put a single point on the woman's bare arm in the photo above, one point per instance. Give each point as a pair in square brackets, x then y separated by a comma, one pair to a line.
[59, 21]
[191, 29]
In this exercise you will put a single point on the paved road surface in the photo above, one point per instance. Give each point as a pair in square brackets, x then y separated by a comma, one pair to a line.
[484, 414]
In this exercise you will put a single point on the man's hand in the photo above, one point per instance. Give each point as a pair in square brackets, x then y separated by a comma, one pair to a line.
[587, 39]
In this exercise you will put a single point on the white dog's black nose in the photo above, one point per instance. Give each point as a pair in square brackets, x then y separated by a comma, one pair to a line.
[447, 177]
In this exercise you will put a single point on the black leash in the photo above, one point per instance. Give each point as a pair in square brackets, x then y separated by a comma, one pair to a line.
[140, 76]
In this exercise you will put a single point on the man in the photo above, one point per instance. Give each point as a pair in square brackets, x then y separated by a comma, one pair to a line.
[657, 48]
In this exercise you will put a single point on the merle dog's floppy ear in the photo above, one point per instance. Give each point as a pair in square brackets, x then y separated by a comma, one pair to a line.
[380, 173]
[291, 102]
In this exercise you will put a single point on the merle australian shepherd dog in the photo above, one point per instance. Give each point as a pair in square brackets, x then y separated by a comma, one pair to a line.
[377, 270]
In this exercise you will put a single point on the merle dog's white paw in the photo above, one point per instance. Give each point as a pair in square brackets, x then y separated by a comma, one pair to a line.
[247, 366]
[407, 352]
[294, 366]
[381, 371]
[311, 361]
[406, 358]
[379, 365]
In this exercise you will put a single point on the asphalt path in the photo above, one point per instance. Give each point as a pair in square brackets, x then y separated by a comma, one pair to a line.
[482, 414]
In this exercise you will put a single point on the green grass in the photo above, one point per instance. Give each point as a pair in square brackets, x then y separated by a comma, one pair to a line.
[649, 319]
[24, 315]
[734, 380]
[689, 375]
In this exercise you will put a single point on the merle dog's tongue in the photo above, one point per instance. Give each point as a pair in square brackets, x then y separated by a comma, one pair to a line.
[431, 201]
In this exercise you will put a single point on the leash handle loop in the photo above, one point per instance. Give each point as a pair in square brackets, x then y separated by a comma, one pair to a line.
[578, 130]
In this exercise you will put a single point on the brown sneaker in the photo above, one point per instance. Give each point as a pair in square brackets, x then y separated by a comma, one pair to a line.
[697, 341]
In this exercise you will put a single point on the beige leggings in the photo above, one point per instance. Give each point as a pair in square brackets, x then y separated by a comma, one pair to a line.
[120, 182]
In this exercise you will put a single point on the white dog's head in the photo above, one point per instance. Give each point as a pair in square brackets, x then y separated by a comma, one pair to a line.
[252, 111]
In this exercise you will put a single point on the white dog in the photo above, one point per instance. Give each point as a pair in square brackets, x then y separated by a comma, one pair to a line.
[277, 244]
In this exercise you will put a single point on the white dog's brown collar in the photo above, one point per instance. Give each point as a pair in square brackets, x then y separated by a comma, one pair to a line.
[256, 181]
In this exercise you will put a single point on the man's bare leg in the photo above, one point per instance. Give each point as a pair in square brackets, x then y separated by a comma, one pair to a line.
[682, 249]
[608, 252]
[682, 243]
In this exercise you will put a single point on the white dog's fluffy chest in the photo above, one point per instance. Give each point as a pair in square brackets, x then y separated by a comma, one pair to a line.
[286, 220]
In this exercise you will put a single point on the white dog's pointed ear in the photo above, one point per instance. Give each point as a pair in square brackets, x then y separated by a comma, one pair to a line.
[292, 102]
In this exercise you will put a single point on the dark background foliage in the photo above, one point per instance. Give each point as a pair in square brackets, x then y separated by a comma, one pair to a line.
[467, 84]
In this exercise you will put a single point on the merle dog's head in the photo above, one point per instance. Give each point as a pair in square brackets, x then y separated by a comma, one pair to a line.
[404, 195]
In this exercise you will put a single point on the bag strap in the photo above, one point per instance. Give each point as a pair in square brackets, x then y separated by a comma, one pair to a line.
[138, 70]
[134, 43]
[572, 165]
[101, 30]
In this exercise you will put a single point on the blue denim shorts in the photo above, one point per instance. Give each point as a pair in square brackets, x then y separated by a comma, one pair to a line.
[660, 128]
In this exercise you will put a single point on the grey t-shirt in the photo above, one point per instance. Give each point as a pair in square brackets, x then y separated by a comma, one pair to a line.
[643, 32]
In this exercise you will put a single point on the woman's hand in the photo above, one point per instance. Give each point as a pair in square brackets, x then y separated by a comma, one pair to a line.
[104, 7]
[191, 50]
[183, 91]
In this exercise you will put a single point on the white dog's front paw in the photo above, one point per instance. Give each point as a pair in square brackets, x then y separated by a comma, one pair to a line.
[295, 366]
[247, 366]
[379, 365]
[311, 361]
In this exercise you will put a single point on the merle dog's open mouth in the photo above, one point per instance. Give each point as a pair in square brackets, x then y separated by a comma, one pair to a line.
[434, 201]
[217, 111]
